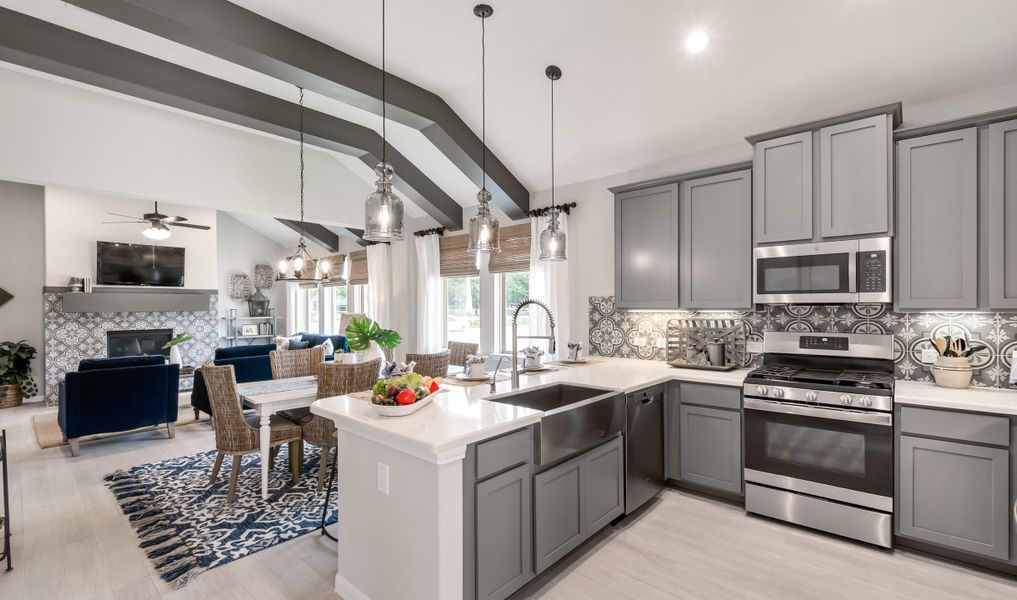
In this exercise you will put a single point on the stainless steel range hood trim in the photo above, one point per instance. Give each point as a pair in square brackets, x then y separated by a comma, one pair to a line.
[873, 501]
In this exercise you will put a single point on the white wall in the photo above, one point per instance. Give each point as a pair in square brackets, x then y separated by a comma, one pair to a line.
[74, 223]
[239, 248]
[22, 242]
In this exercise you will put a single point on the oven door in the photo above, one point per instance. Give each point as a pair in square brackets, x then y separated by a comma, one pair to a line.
[806, 273]
[840, 454]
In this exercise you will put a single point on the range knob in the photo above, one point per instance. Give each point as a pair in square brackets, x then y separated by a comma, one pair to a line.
[762, 390]
[778, 392]
[846, 399]
[810, 396]
[865, 401]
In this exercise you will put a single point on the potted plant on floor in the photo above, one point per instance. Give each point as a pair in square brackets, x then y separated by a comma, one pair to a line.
[174, 357]
[366, 335]
[16, 382]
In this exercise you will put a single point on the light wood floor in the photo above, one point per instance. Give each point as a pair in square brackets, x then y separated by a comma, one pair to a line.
[71, 541]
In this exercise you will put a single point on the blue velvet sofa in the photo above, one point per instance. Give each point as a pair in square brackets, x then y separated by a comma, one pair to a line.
[107, 395]
[250, 363]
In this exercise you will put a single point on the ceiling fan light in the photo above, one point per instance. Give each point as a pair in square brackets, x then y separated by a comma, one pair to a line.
[157, 232]
[384, 209]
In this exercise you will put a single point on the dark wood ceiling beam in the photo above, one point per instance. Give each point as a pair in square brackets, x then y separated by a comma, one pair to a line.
[235, 34]
[43, 46]
[356, 235]
[319, 234]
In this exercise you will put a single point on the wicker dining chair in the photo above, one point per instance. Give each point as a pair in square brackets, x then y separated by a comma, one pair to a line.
[296, 363]
[336, 380]
[458, 352]
[430, 365]
[237, 435]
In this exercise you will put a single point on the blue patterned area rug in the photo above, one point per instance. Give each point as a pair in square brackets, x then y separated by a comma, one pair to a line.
[185, 526]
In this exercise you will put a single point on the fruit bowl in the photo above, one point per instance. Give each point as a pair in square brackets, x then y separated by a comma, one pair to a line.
[405, 395]
[406, 409]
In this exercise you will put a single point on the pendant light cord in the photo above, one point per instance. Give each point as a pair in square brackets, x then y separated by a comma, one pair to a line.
[384, 103]
[552, 142]
[483, 97]
[301, 127]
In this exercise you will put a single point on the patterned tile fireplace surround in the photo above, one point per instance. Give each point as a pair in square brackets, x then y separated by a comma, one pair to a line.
[637, 334]
[73, 337]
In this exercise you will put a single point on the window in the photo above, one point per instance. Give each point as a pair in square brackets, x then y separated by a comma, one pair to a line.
[513, 288]
[305, 299]
[462, 309]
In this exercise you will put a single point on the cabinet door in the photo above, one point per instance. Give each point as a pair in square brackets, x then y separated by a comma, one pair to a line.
[711, 447]
[503, 530]
[716, 241]
[672, 431]
[782, 202]
[605, 485]
[646, 248]
[1003, 211]
[955, 495]
[559, 512]
[937, 244]
[854, 174]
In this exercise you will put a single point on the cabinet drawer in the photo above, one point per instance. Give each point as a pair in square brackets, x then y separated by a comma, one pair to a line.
[962, 426]
[711, 395]
[504, 452]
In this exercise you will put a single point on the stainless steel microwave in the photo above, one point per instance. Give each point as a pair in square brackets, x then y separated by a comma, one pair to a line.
[840, 272]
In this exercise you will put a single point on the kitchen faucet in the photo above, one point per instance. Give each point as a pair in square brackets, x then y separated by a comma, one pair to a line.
[494, 376]
[516, 336]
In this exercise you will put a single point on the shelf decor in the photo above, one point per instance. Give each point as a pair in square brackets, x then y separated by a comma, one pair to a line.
[240, 286]
[264, 277]
[257, 304]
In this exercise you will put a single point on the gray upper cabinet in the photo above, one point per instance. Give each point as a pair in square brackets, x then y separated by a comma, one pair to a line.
[937, 242]
[646, 248]
[716, 241]
[955, 495]
[1003, 211]
[783, 188]
[855, 174]
[503, 530]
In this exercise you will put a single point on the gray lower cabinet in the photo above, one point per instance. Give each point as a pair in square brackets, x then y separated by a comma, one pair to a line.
[646, 248]
[855, 175]
[672, 431]
[503, 530]
[937, 241]
[955, 495]
[711, 447]
[782, 202]
[575, 499]
[1003, 215]
[716, 241]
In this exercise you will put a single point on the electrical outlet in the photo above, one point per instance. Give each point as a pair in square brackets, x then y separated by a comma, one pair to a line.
[929, 355]
[754, 347]
[383, 478]
[660, 342]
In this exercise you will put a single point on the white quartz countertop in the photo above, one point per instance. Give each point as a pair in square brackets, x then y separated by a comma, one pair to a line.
[441, 431]
[930, 395]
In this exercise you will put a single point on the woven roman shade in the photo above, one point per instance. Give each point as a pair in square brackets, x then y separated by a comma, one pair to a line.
[335, 269]
[515, 250]
[455, 262]
[358, 267]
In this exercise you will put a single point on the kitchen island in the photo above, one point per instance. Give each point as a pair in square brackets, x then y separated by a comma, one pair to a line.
[401, 511]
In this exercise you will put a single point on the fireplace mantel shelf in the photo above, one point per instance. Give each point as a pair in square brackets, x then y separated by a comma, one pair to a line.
[110, 300]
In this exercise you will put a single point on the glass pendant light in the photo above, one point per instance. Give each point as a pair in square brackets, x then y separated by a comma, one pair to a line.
[552, 239]
[383, 208]
[485, 231]
[301, 266]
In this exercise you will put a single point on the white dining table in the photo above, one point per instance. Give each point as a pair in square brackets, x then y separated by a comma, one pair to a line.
[270, 397]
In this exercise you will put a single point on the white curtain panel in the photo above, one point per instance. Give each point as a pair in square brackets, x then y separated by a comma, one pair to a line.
[549, 281]
[379, 284]
[429, 295]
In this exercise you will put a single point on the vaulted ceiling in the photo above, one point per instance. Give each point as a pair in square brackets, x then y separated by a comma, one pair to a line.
[631, 95]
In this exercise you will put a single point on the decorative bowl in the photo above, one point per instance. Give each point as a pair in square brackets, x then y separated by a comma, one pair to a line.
[406, 409]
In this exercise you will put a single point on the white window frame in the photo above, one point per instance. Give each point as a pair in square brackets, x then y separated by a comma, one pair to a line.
[444, 307]
[503, 330]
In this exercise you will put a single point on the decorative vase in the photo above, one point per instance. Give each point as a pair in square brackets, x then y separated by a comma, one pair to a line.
[374, 351]
[10, 395]
[174, 357]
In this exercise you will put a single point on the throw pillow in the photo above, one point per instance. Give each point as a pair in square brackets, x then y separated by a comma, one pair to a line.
[281, 343]
[298, 345]
[327, 345]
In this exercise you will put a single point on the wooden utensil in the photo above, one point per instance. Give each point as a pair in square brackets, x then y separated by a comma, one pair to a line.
[959, 346]
[949, 344]
[940, 345]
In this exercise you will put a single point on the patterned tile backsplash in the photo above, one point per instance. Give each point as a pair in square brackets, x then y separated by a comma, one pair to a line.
[639, 334]
[73, 337]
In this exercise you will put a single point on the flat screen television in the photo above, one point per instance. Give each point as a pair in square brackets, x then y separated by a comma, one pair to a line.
[139, 264]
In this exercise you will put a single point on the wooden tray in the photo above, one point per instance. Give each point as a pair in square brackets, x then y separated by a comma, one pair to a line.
[684, 365]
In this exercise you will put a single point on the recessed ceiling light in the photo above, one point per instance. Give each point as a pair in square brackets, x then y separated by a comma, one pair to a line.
[697, 41]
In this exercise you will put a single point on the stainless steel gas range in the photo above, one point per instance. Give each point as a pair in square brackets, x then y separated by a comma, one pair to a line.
[819, 433]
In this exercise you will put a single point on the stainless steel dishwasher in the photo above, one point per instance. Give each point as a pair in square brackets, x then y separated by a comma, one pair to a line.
[644, 446]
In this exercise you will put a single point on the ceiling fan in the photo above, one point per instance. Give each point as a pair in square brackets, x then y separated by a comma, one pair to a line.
[157, 223]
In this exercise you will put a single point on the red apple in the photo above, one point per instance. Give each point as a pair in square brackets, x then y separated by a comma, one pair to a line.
[406, 397]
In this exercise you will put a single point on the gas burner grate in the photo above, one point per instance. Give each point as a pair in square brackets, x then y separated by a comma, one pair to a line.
[781, 372]
[866, 379]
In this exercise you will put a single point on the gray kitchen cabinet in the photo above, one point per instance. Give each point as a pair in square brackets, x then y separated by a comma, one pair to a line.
[782, 200]
[1003, 215]
[855, 175]
[672, 431]
[955, 495]
[716, 241]
[646, 248]
[937, 241]
[604, 484]
[711, 447]
[503, 530]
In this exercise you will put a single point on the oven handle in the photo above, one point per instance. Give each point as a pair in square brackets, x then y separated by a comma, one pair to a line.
[840, 414]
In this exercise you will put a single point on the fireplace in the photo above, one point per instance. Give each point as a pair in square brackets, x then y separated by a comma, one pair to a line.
[137, 341]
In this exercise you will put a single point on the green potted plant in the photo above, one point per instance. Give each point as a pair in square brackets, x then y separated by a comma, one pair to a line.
[16, 380]
[174, 357]
[366, 335]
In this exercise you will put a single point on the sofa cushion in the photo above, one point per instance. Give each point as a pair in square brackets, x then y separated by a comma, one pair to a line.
[94, 364]
[244, 351]
[315, 339]
[299, 345]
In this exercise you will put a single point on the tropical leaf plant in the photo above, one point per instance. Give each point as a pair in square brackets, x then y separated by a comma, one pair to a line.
[16, 362]
[362, 331]
[180, 339]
